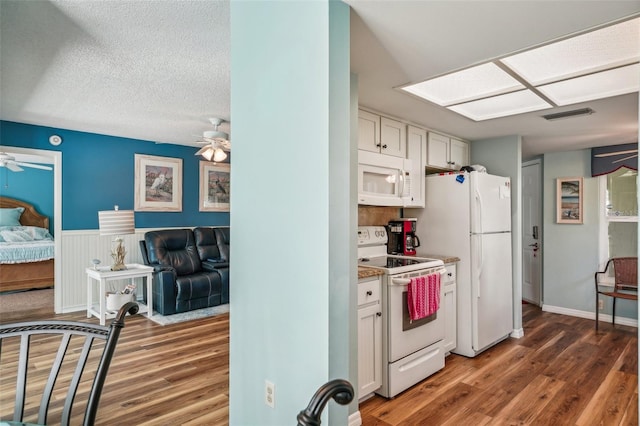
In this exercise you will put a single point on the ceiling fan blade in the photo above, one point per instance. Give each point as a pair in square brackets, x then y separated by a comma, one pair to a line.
[11, 166]
[609, 154]
[33, 166]
[625, 158]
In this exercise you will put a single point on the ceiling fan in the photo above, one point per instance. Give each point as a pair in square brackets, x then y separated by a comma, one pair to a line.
[629, 151]
[10, 163]
[216, 143]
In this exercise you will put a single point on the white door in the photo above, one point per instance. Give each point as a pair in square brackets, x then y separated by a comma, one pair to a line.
[531, 234]
[490, 203]
[491, 288]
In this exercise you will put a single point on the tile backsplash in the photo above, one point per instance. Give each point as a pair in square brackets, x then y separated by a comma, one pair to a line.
[375, 215]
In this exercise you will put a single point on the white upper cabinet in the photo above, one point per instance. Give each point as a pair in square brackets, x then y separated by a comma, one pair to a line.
[458, 153]
[417, 153]
[381, 134]
[393, 137]
[447, 153]
[438, 151]
[368, 131]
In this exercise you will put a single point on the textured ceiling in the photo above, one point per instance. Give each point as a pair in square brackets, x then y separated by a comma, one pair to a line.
[152, 70]
[157, 70]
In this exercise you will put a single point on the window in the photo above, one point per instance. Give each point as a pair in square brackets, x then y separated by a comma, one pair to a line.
[619, 214]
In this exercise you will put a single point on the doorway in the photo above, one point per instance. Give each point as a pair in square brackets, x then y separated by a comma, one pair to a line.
[532, 232]
[53, 158]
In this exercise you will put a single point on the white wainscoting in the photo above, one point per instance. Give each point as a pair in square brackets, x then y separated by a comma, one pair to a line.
[79, 248]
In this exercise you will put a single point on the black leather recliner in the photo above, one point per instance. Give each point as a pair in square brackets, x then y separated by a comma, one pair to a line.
[180, 280]
[213, 249]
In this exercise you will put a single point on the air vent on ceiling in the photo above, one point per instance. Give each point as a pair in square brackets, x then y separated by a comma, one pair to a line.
[568, 114]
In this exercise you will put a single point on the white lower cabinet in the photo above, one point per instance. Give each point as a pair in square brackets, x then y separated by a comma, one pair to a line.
[450, 308]
[369, 336]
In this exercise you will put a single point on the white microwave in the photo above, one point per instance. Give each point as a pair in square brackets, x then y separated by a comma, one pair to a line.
[383, 180]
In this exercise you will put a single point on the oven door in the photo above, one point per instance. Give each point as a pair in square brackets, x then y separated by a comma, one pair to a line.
[406, 337]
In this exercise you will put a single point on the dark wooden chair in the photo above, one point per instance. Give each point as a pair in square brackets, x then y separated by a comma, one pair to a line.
[31, 364]
[625, 272]
[339, 389]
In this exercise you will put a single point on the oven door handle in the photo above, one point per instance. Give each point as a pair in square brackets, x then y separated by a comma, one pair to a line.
[405, 281]
[400, 281]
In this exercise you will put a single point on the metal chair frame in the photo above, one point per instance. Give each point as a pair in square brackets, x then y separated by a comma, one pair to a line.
[625, 282]
[66, 329]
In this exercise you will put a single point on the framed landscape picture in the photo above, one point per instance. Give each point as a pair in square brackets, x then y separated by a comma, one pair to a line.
[569, 200]
[215, 186]
[158, 184]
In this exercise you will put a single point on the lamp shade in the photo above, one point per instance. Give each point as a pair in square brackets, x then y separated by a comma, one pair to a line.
[116, 222]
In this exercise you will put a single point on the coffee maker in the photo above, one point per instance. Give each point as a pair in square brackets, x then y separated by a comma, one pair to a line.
[402, 237]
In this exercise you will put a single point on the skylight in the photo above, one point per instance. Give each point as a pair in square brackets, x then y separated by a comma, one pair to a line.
[589, 66]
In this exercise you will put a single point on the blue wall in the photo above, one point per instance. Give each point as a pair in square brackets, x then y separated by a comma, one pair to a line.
[34, 186]
[98, 173]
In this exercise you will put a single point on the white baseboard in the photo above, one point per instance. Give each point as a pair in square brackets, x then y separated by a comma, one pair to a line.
[589, 315]
[517, 334]
[355, 419]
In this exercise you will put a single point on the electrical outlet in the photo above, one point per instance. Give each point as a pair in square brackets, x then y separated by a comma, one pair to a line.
[269, 394]
[600, 304]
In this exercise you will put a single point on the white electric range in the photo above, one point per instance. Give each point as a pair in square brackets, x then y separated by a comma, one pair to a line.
[411, 350]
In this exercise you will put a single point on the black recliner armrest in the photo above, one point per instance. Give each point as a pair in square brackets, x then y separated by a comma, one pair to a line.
[212, 265]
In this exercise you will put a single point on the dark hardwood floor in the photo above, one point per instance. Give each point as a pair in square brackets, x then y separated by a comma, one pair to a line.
[560, 373]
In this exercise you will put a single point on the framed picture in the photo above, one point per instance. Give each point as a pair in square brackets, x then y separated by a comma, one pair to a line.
[569, 200]
[158, 185]
[215, 186]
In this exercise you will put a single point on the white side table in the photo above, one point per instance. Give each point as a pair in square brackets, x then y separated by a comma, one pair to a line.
[104, 274]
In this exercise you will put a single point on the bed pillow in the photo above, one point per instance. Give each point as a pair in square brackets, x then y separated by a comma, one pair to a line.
[11, 217]
[15, 234]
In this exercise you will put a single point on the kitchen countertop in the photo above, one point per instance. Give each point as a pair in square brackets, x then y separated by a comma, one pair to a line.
[444, 258]
[364, 272]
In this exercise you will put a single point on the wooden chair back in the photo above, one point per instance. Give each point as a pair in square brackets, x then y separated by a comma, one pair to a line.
[41, 375]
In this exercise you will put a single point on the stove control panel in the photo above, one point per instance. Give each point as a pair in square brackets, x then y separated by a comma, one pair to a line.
[371, 236]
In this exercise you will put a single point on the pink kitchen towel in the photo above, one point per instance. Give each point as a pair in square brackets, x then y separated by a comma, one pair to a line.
[423, 296]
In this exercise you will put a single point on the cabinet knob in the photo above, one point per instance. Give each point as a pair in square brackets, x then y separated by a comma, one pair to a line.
[450, 274]
[384, 146]
[369, 293]
[379, 314]
[378, 145]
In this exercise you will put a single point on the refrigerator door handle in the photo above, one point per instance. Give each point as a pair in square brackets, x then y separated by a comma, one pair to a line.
[480, 262]
[478, 215]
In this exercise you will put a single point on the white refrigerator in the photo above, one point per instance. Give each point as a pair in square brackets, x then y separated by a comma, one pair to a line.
[469, 216]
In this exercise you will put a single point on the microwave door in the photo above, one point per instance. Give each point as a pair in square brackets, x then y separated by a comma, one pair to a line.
[379, 185]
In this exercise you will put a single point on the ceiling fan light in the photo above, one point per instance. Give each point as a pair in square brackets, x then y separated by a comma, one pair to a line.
[219, 155]
[208, 153]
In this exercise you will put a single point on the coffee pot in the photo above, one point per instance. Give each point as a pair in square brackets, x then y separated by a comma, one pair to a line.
[403, 240]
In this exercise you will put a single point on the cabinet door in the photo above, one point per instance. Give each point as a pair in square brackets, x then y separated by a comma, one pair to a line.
[458, 154]
[438, 151]
[417, 153]
[368, 131]
[369, 349]
[450, 313]
[393, 137]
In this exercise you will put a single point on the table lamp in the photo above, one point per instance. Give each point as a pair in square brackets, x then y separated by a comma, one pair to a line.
[117, 222]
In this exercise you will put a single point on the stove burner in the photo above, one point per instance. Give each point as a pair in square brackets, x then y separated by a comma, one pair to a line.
[394, 262]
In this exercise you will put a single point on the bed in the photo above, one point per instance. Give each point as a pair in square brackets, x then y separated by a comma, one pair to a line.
[25, 274]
